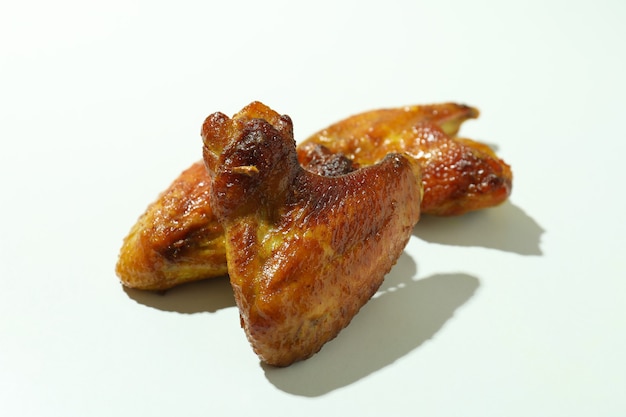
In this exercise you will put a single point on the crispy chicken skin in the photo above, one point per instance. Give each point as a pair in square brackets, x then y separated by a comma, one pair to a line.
[305, 252]
[459, 175]
[177, 239]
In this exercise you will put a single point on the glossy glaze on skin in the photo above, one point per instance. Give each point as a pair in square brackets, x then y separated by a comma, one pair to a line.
[320, 160]
[305, 252]
[172, 244]
[459, 175]
[177, 239]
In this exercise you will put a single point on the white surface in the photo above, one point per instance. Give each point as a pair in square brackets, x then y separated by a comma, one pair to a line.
[515, 311]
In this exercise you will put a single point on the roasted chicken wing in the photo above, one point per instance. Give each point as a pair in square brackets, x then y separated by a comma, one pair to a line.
[459, 175]
[305, 251]
[178, 239]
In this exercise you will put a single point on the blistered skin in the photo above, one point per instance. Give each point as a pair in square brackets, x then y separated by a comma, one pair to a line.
[459, 175]
[177, 239]
[305, 252]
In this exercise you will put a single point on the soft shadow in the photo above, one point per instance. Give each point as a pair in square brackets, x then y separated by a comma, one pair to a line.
[209, 295]
[506, 228]
[401, 317]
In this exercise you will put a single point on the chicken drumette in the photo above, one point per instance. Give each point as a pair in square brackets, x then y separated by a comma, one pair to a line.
[305, 251]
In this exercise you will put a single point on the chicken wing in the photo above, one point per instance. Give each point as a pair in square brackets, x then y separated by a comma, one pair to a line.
[459, 175]
[178, 238]
[305, 251]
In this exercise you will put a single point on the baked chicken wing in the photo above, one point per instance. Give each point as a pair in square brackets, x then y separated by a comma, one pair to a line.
[178, 239]
[459, 175]
[305, 251]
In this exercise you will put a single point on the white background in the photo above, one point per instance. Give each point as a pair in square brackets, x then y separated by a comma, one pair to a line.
[514, 311]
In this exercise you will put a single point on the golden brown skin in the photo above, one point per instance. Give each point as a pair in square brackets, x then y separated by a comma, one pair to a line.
[320, 160]
[172, 244]
[177, 239]
[305, 252]
[459, 175]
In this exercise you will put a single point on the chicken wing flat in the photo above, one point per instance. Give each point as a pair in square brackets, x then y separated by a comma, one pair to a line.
[459, 175]
[177, 239]
[305, 251]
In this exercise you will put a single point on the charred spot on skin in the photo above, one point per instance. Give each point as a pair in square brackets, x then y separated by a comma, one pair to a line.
[334, 166]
